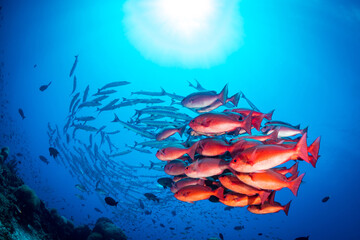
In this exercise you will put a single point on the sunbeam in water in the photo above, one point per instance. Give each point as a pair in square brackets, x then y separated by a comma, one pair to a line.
[191, 34]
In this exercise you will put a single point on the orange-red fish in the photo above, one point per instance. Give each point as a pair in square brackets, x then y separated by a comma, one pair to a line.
[172, 153]
[206, 167]
[219, 123]
[169, 132]
[204, 99]
[264, 157]
[232, 183]
[283, 131]
[257, 117]
[196, 193]
[234, 100]
[270, 180]
[269, 207]
[186, 182]
[175, 167]
[240, 200]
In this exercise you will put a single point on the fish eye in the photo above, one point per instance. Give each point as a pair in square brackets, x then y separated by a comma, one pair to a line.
[186, 168]
[234, 160]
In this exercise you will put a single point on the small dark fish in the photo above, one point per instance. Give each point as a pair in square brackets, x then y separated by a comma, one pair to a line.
[74, 66]
[53, 152]
[228, 208]
[221, 236]
[147, 212]
[238, 228]
[260, 234]
[302, 238]
[21, 112]
[35, 65]
[44, 87]
[42, 158]
[171, 228]
[19, 154]
[98, 210]
[152, 197]
[187, 228]
[173, 213]
[110, 201]
[165, 182]
[141, 204]
[162, 225]
[325, 199]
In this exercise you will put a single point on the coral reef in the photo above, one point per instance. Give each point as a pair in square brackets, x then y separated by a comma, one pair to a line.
[24, 216]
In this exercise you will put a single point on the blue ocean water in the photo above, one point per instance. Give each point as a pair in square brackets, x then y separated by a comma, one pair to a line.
[299, 58]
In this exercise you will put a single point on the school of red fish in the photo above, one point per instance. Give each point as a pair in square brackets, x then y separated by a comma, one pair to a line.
[235, 156]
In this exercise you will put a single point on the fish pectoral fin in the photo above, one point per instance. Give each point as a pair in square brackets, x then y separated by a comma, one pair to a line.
[190, 202]
[206, 123]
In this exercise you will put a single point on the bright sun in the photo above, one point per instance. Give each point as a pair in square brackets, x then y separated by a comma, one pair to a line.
[188, 33]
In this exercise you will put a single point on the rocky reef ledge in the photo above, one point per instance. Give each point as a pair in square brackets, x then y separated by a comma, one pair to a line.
[24, 216]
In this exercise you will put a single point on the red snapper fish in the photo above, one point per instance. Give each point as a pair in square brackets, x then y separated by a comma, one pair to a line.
[232, 183]
[269, 207]
[176, 186]
[234, 100]
[270, 180]
[283, 130]
[257, 117]
[240, 200]
[264, 157]
[173, 152]
[206, 167]
[204, 99]
[175, 167]
[196, 193]
[169, 132]
[219, 123]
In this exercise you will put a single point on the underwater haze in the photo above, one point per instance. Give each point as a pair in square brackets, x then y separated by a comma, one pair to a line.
[301, 58]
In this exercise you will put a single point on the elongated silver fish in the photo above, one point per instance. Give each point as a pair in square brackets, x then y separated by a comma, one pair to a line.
[109, 106]
[86, 93]
[89, 104]
[85, 127]
[74, 85]
[73, 101]
[74, 66]
[114, 84]
[85, 118]
[105, 92]
[135, 128]
[162, 93]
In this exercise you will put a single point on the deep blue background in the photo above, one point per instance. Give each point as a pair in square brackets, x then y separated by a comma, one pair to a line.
[303, 59]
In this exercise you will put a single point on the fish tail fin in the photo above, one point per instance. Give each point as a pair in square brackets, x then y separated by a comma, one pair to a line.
[190, 84]
[247, 124]
[264, 195]
[235, 99]
[271, 198]
[151, 164]
[223, 94]
[172, 102]
[314, 148]
[256, 122]
[116, 119]
[181, 130]
[295, 184]
[301, 148]
[268, 116]
[294, 168]
[286, 208]
[135, 143]
[305, 130]
[274, 134]
[116, 203]
[219, 192]
[293, 177]
[163, 92]
[192, 150]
